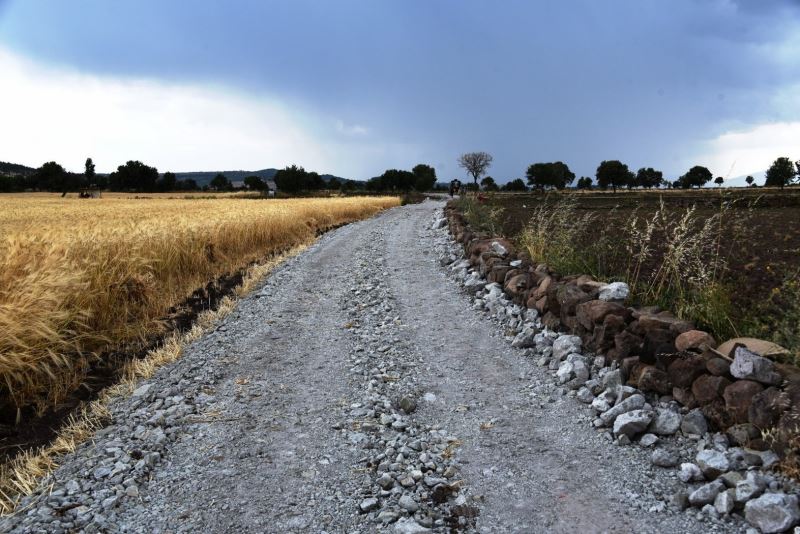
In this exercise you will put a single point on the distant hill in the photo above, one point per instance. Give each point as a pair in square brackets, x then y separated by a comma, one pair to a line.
[204, 177]
[15, 168]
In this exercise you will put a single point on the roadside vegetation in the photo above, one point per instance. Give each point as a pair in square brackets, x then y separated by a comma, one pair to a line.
[725, 260]
[80, 279]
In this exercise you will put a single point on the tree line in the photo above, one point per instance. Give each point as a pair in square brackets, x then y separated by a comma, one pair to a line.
[614, 174]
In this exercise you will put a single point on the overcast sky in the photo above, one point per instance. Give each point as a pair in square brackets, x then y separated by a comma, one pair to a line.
[354, 87]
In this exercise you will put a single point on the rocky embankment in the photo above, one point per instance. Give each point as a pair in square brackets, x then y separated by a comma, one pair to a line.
[650, 379]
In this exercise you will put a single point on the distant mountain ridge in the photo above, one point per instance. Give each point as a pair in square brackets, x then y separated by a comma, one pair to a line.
[15, 168]
[204, 177]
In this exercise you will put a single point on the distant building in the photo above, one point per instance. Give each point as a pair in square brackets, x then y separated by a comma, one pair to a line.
[271, 187]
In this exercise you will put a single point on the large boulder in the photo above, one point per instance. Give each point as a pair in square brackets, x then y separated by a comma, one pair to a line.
[773, 512]
[738, 398]
[750, 366]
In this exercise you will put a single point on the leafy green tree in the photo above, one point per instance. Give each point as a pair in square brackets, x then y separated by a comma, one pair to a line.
[613, 173]
[489, 184]
[133, 176]
[781, 173]
[314, 182]
[88, 172]
[392, 180]
[584, 182]
[545, 175]
[52, 177]
[167, 182]
[698, 176]
[255, 183]
[719, 180]
[515, 185]
[649, 177]
[291, 179]
[425, 177]
[749, 180]
[220, 182]
[476, 164]
[186, 185]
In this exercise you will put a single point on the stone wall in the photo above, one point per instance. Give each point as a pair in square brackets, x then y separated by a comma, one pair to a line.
[737, 384]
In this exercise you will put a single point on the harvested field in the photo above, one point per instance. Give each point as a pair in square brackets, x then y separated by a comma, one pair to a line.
[753, 238]
[83, 278]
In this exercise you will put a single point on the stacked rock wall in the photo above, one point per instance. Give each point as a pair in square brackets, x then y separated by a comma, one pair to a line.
[736, 385]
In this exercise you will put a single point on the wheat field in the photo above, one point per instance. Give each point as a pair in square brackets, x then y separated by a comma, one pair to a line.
[82, 277]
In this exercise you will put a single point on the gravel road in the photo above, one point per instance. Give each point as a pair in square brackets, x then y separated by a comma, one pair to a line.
[356, 391]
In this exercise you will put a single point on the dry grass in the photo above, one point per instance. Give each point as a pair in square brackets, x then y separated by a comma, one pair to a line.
[674, 258]
[82, 277]
[22, 475]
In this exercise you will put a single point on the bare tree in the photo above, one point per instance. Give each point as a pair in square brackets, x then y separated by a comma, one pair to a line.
[475, 163]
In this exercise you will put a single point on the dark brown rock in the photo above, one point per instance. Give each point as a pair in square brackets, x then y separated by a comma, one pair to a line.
[708, 388]
[551, 321]
[629, 366]
[514, 271]
[657, 341]
[696, 340]
[605, 333]
[738, 398]
[568, 297]
[627, 344]
[541, 304]
[718, 366]
[516, 285]
[767, 407]
[685, 369]
[594, 311]
[488, 260]
[664, 321]
[742, 434]
[498, 273]
[684, 396]
[716, 413]
[541, 289]
[654, 379]
[479, 246]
